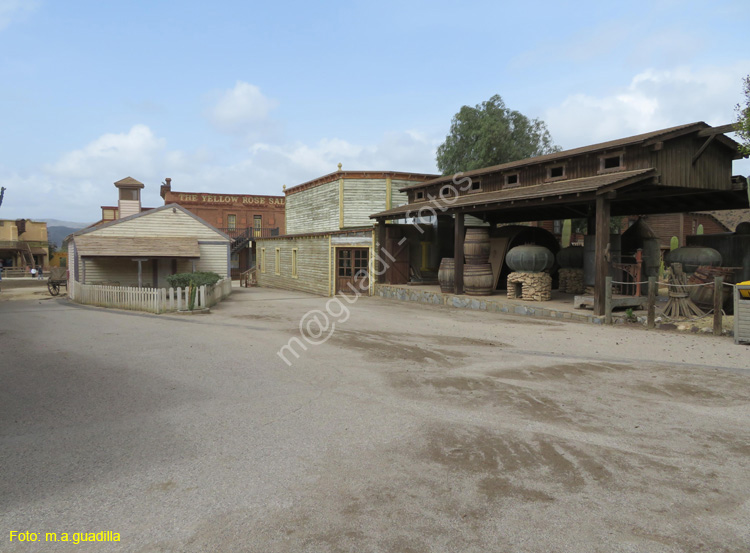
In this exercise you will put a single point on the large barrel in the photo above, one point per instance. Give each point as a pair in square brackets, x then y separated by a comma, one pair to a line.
[478, 279]
[589, 257]
[693, 257]
[530, 259]
[477, 246]
[447, 275]
[570, 257]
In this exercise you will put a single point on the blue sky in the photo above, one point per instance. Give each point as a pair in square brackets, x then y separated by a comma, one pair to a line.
[245, 97]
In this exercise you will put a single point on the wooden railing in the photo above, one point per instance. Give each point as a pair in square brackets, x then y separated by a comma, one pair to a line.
[249, 278]
[152, 300]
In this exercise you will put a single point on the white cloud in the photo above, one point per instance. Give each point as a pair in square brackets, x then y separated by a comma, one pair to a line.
[12, 10]
[138, 149]
[242, 110]
[653, 100]
[73, 187]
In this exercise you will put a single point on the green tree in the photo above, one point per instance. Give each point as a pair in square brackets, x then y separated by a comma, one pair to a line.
[490, 134]
[742, 126]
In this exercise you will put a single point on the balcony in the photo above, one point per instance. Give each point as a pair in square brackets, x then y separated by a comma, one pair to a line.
[241, 237]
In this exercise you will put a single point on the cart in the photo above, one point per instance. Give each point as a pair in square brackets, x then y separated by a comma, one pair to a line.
[58, 277]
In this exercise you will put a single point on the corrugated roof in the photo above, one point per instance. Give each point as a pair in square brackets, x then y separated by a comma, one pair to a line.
[559, 188]
[115, 246]
[619, 143]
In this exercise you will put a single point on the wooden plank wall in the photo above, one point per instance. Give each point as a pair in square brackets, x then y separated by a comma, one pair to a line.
[312, 264]
[362, 198]
[313, 210]
[161, 223]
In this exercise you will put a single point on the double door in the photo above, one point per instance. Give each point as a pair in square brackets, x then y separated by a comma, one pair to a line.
[352, 270]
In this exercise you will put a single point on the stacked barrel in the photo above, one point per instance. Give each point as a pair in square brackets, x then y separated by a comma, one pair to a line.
[478, 279]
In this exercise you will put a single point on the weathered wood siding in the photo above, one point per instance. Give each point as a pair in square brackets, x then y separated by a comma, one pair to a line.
[129, 207]
[312, 264]
[213, 246]
[398, 198]
[362, 198]
[313, 210]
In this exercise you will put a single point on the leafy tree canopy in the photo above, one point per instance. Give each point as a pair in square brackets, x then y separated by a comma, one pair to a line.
[490, 134]
[743, 119]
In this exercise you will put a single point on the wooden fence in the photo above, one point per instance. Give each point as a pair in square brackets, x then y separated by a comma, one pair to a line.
[152, 300]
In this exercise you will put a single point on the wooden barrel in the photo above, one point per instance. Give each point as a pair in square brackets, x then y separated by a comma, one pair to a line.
[447, 275]
[477, 246]
[478, 279]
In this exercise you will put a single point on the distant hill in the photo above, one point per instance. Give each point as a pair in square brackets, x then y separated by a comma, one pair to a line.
[58, 223]
[57, 234]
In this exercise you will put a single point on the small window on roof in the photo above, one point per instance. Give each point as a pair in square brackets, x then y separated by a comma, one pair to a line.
[511, 179]
[556, 172]
[420, 195]
[446, 191]
[476, 185]
[610, 162]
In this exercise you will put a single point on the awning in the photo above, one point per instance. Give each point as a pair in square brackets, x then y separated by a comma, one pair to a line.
[116, 246]
[39, 251]
[540, 192]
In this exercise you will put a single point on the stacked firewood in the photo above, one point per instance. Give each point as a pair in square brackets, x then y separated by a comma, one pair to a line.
[679, 304]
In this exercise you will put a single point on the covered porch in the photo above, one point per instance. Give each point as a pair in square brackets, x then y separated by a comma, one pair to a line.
[596, 199]
[133, 261]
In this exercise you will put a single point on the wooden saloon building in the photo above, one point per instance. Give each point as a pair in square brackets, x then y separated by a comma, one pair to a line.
[330, 235]
[682, 169]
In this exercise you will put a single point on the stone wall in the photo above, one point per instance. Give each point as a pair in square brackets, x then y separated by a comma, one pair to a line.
[534, 286]
[571, 281]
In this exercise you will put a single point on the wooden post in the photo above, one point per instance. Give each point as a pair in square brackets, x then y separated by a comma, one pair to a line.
[652, 287]
[381, 246]
[140, 273]
[602, 249]
[608, 300]
[458, 253]
[718, 297]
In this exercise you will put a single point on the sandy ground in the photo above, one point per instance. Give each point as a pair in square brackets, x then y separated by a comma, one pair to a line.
[412, 429]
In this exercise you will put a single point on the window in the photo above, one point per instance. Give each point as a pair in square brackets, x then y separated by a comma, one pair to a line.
[446, 191]
[511, 180]
[277, 267]
[232, 221]
[129, 194]
[610, 162]
[420, 195]
[235, 259]
[257, 225]
[345, 263]
[557, 225]
[360, 262]
[294, 263]
[263, 260]
[476, 185]
[556, 172]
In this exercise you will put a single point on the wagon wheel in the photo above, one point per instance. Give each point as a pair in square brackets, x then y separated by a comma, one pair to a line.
[53, 287]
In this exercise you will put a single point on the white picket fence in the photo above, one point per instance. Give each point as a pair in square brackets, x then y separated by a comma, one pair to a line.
[152, 300]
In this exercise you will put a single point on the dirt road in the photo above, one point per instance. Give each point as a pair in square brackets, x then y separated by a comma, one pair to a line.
[411, 429]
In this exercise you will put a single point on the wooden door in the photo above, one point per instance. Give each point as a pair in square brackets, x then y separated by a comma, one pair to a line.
[397, 271]
[352, 270]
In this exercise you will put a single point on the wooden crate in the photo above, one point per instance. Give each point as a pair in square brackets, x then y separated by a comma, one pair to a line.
[741, 315]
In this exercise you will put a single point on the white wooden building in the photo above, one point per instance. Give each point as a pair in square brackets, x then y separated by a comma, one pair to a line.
[146, 247]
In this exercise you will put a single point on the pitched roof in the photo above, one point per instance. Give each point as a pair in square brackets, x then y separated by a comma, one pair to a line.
[655, 136]
[130, 182]
[115, 246]
[99, 226]
[559, 188]
[730, 218]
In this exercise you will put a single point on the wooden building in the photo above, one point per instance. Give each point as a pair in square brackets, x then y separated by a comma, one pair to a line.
[676, 170]
[244, 218]
[144, 248]
[23, 243]
[329, 244]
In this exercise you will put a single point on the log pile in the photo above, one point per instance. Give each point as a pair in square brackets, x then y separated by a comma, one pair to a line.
[571, 281]
[534, 286]
[679, 304]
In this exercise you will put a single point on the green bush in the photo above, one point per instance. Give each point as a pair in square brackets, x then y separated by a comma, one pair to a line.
[183, 280]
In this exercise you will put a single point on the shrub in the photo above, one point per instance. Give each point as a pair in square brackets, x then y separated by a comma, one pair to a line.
[183, 280]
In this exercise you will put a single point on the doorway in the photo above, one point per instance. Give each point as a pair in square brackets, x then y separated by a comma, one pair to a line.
[352, 270]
